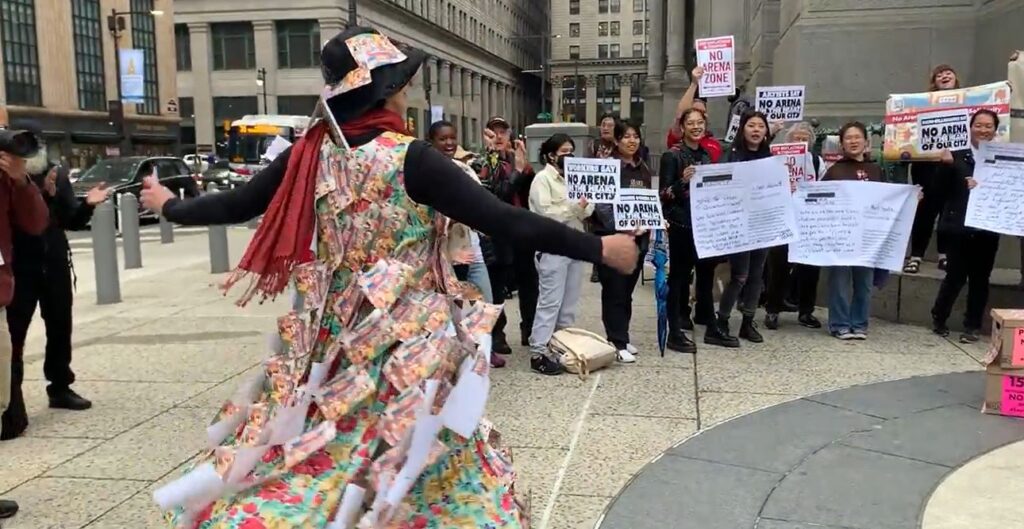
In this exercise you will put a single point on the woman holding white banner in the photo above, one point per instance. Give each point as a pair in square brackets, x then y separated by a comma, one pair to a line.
[848, 318]
[972, 252]
[746, 276]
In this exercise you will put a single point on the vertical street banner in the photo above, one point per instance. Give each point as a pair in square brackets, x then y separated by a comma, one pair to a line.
[943, 130]
[593, 179]
[903, 111]
[638, 209]
[796, 158]
[717, 56]
[133, 76]
[781, 103]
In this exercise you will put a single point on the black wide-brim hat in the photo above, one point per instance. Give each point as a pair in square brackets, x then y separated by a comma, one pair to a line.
[362, 68]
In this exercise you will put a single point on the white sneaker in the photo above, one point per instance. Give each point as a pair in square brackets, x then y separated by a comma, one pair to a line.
[859, 335]
[632, 350]
[844, 335]
[626, 357]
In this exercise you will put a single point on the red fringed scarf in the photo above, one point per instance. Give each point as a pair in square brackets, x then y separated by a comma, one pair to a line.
[285, 235]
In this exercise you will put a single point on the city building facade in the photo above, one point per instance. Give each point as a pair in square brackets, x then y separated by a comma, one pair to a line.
[598, 58]
[58, 70]
[851, 54]
[264, 58]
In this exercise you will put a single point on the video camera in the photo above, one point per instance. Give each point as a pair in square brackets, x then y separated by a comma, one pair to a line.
[18, 142]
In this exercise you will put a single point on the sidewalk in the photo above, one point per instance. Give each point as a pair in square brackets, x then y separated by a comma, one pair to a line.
[159, 365]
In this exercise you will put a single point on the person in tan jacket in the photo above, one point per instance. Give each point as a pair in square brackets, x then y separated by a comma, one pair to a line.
[560, 278]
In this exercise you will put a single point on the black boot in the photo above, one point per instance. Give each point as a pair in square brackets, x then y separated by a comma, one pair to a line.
[67, 399]
[717, 333]
[15, 419]
[8, 509]
[748, 330]
[771, 321]
[680, 343]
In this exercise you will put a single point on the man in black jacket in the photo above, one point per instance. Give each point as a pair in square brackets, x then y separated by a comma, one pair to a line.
[43, 277]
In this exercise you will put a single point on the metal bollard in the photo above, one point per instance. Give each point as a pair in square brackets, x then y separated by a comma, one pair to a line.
[220, 262]
[130, 238]
[166, 231]
[104, 255]
[119, 223]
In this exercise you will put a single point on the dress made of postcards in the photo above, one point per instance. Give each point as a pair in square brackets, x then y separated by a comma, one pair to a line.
[369, 412]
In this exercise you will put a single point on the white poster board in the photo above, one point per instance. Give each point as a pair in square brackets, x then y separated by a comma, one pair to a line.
[853, 223]
[944, 129]
[797, 159]
[638, 209]
[781, 103]
[997, 203]
[594, 179]
[738, 207]
[436, 113]
[717, 55]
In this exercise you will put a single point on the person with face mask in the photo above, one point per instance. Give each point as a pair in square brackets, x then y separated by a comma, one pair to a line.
[560, 278]
[43, 275]
[972, 252]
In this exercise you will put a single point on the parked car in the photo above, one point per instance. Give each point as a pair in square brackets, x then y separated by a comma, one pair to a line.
[222, 176]
[124, 175]
[192, 160]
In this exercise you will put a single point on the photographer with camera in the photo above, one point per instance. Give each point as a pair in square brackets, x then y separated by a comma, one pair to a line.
[21, 207]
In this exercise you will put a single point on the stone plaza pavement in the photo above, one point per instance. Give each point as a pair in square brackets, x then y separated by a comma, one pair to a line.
[158, 366]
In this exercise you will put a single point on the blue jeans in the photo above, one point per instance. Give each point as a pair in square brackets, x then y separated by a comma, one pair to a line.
[478, 276]
[844, 314]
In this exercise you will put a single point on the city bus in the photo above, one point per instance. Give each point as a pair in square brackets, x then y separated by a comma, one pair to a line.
[250, 136]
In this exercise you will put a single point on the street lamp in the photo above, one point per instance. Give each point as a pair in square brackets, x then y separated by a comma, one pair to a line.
[261, 81]
[543, 71]
[116, 25]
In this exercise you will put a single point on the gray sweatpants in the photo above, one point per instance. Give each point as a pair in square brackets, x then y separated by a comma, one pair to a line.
[560, 281]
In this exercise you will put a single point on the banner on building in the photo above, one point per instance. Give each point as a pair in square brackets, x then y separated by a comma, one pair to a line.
[781, 103]
[133, 76]
[717, 56]
[902, 112]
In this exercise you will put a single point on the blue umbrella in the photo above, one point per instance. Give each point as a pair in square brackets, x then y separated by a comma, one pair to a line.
[661, 287]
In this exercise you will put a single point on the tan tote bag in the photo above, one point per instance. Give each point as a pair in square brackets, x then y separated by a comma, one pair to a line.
[581, 351]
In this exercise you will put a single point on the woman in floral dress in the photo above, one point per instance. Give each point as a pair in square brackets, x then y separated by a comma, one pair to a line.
[368, 413]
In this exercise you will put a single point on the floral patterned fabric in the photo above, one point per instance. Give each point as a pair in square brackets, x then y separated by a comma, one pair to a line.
[361, 376]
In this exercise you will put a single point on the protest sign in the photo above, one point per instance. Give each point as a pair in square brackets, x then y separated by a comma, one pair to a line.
[593, 179]
[944, 129]
[717, 56]
[902, 111]
[638, 209]
[734, 127]
[997, 203]
[781, 103]
[853, 223]
[795, 156]
[738, 207]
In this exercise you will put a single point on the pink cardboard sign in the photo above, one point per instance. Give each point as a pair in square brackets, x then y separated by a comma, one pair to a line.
[1012, 401]
[1018, 346]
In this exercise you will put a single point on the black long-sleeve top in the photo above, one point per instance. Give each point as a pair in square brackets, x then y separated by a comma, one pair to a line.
[955, 175]
[430, 179]
[677, 208]
[67, 212]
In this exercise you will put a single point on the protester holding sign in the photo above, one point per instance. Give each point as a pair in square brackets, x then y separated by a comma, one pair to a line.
[677, 168]
[746, 276]
[972, 252]
[848, 318]
[688, 101]
[617, 288]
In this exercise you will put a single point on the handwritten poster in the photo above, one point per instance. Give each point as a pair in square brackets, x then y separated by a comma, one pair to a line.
[781, 103]
[738, 207]
[797, 159]
[852, 223]
[638, 209]
[593, 179]
[944, 129]
[717, 56]
[1012, 399]
[997, 203]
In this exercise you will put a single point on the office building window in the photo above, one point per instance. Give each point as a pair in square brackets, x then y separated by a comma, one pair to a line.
[144, 38]
[638, 27]
[574, 97]
[296, 105]
[574, 29]
[574, 52]
[602, 6]
[574, 7]
[602, 29]
[614, 51]
[85, 21]
[638, 49]
[602, 51]
[21, 52]
[638, 6]
[298, 44]
[233, 46]
[616, 6]
[609, 98]
[186, 107]
[615, 28]
[647, 27]
[183, 47]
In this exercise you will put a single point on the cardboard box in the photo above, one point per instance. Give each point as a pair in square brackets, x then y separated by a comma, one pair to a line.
[1006, 348]
[1004, 392]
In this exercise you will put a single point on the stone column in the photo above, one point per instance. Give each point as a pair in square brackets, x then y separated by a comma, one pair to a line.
[430, 65]
[444, 77]
[625, 95]
[202, 90]
[477, 97]
[656, 60]
[556, 100]
[592, 100]
[492, 99]
[266, 57]
[675, 30]
[456, 92]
